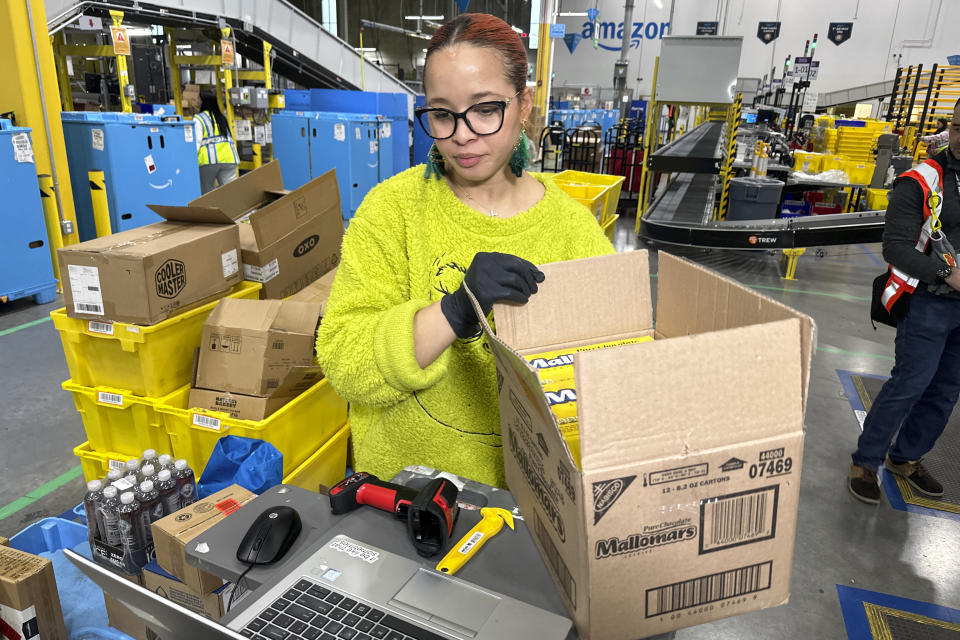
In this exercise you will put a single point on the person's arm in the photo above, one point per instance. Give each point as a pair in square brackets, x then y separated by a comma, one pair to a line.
[432, 334]
[903, 221]
[366, 341]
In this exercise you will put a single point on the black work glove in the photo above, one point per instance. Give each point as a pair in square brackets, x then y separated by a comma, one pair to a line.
[492, 277]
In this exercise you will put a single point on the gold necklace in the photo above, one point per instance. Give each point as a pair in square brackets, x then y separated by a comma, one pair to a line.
[490, 212]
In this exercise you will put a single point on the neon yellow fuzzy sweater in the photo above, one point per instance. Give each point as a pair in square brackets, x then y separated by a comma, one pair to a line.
[410, 243]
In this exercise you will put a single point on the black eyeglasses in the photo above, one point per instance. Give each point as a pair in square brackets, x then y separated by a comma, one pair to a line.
[483, 118]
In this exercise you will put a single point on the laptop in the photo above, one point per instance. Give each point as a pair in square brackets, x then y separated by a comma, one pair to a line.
[347, 590]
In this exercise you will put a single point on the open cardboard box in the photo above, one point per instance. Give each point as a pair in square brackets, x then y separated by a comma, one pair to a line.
[685, 508]
[288, 239]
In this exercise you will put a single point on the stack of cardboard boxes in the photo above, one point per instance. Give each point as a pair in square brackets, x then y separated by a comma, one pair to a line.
[169, 576]
[155, 276]
[255, 356]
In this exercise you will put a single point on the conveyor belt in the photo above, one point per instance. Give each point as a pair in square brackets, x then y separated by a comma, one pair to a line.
[790, 233]
[687, 200]
[696, 152]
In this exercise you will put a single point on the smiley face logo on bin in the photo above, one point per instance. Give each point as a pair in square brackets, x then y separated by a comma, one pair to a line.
[170, 278]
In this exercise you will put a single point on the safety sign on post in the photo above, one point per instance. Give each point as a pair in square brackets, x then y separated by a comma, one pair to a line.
[226, 52]
[121, 41]
[558, 30]
[814, 69]
[801, 66]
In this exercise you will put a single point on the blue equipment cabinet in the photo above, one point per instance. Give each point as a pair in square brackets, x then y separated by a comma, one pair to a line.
[392, 107]
[25, 267]
[145, 160]
[310, 143]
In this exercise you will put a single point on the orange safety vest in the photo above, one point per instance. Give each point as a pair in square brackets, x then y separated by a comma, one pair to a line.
[929, 175]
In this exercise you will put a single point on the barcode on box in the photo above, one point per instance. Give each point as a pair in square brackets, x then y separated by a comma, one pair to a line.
[206, 422]
[555, 562]
[106, 328]
[106, 397]
[120, 465]
[88, 308]
[739, 518]
[707, 589]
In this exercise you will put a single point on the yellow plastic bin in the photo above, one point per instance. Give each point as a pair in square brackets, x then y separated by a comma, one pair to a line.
[609, 197]
[146, 360]
[877, 199]
[116, 420]
[327, 466]
[807, 162]
[297, 430]
[858, 172]
[610, 227]
[96, 464]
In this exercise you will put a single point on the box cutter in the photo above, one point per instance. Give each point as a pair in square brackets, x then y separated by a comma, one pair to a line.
[491, 522]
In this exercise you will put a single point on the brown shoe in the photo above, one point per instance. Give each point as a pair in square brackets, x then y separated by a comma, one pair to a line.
[918, 477]
[863, 484]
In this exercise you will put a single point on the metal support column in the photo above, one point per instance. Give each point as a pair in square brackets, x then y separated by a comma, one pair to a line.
[28, 87]
[63, 77]
[175, 78]
[733, 127]
[653, 115]
[98, 198]
[122, 74]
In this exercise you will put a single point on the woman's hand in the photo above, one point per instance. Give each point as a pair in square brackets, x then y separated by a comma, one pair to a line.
[492, 277]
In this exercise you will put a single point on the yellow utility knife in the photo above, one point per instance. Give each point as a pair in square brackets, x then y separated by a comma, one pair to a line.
[491, 522]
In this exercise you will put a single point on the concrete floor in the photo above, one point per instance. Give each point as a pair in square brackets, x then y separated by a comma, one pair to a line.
[839, 541]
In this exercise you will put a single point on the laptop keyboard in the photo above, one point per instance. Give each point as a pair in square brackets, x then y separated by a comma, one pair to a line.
[314, 612]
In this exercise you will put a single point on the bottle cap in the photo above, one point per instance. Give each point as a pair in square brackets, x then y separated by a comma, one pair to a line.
[164, 475]
[110, 492]
[149, 454]
[146, 486]
[114, 474]
[127, 498]
[94, 485]
[165, 459]
[180, 464]
[133, 464]
[148, 470]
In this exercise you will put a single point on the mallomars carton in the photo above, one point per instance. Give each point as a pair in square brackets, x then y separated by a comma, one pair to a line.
[684, 507]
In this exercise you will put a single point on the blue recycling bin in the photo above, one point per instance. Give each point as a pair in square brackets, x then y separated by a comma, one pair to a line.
[25, 266]
[145, 159]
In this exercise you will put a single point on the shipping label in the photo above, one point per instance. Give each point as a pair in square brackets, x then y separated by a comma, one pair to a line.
[385, 131]
[188, 133]
[339, 132]
[150, 164]
[230, 263]
[263, 274]
[85, 289]
[207, 422]
[22, 149]
[96, 136]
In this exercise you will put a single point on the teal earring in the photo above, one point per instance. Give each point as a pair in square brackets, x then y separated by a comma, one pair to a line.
[521, 155]
[434, 163]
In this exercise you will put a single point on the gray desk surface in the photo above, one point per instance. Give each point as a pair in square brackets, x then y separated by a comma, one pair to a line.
[509, 563]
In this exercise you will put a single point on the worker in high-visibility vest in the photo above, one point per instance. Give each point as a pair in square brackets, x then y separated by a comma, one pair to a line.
[216, 150]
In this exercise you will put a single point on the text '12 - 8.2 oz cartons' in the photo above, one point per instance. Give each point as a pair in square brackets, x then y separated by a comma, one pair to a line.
[684, 508]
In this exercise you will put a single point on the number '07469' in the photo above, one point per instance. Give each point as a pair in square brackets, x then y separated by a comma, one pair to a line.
[771, 468]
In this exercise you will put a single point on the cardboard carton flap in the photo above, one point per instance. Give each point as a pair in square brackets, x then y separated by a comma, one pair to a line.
[209, 215]
[693, 299]
[297, 381]
[579, 300]
[239, 196]
[235, 313]
[678, 396]
[294, 316]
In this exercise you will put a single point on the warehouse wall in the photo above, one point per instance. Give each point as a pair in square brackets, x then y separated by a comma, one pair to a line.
[886, 34]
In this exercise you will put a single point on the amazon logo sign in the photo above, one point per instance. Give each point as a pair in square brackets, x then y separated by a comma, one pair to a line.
[612, 32]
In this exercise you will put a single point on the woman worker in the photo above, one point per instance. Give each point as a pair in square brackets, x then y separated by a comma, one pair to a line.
[399, 340]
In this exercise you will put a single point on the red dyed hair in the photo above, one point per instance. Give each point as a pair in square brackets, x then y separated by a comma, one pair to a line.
[485, 30]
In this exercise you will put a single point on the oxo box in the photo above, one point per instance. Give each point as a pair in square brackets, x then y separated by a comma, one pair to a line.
[684, 507]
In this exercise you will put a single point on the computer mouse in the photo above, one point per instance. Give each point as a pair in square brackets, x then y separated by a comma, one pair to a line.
[270, 536]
